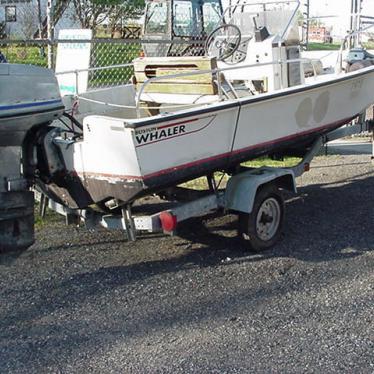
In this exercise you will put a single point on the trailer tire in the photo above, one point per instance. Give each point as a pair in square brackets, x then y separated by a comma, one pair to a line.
[262, 228]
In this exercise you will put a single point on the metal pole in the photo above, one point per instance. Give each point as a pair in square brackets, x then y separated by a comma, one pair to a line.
[40, 22]
[356, 23]
[351, 22]
[50, 32]
[359, 6]
[307, 23]
[351, 27]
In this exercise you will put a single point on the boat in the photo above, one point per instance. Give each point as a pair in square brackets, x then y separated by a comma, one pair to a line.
[185, 117]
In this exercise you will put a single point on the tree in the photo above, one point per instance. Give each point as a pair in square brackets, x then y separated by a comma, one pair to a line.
[28, 20]
[3, 33]
[59, 9]
[89, 14]
[300, 18]
[127, 10]
[92, 13]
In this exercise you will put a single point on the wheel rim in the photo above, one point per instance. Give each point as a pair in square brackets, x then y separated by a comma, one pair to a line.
[268, 219]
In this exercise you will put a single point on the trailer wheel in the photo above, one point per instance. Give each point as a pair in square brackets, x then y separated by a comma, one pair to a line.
[262, 227]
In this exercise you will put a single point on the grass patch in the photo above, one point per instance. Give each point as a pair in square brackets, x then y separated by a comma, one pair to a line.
[102, 54]
[50, 217]
[333, 46]
[29, 55]
[369, 45]
[287, 162]
[105, 54]
[202, 184]
[323, 47]
[112, 54]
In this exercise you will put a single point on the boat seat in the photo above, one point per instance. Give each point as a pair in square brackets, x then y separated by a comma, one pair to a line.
[200, 88]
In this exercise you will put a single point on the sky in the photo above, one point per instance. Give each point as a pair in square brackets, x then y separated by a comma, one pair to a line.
[340, 8]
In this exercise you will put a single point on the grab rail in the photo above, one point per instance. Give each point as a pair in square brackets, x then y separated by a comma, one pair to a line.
[100, 68]
[95, 68]
[216, 72]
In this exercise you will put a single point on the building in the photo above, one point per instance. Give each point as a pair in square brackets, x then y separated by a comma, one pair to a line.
[320, 34]
[21, 19]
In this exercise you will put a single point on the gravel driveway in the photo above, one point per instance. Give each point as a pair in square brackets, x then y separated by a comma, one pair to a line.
[89, 302]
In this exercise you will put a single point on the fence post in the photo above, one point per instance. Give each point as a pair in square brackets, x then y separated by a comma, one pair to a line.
[50, 33]
[40, 21]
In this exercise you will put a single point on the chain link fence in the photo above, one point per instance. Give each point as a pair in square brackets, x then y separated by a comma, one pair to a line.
[29, 36]
[109, 54]
[19, 23]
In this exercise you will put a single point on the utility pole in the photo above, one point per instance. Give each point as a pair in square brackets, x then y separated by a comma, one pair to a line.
[50, 32]
[305, 26]
[40, 21]
[355, 24]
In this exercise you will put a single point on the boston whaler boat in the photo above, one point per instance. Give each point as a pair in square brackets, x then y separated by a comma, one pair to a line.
[186, 117]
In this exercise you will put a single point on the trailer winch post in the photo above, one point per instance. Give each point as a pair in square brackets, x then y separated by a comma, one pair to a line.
[128, 222]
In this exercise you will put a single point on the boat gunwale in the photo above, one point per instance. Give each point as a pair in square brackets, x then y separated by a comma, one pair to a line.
[220, 106]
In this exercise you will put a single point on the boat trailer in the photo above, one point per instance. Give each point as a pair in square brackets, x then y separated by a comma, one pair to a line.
[255, 194]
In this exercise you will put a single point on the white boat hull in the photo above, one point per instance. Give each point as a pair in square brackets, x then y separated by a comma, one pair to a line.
[127, 159]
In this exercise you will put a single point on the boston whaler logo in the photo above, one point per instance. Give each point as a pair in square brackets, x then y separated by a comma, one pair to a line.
[160, 133]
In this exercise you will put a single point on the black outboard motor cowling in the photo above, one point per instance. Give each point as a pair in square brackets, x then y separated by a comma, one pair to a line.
[29, 99]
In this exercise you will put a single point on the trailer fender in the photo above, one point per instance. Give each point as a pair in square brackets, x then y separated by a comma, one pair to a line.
[242, 188]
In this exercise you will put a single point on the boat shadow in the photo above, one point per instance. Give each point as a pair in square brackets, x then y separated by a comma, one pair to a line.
[324, 222]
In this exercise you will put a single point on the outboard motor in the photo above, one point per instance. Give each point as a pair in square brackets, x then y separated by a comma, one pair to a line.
[29, 100]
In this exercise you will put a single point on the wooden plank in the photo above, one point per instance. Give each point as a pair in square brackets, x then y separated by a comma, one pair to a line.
[200, 84]
[180, 88]
[199, 78]
[175, 60]
[197, 63]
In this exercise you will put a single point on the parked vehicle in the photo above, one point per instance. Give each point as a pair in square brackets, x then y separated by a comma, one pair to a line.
[179, 27]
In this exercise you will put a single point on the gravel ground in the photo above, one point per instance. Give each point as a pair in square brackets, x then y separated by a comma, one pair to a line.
[89, 302]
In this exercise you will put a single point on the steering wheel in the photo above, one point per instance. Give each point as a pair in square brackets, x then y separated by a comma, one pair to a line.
[223, 42]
